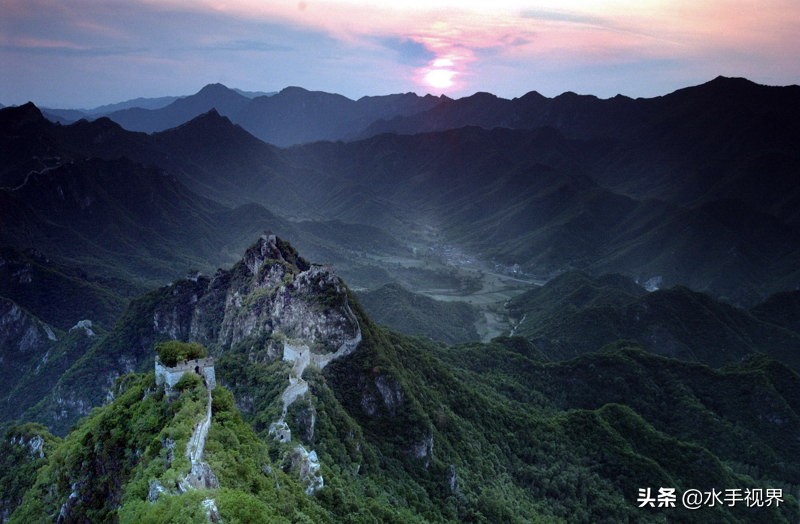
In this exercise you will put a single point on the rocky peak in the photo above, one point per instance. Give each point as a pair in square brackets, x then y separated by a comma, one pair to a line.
[272, 291]
[275, 290]
[270, 248]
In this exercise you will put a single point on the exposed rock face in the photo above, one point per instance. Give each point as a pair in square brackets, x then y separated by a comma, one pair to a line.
[386, 396]
[155, 490]
[307, 466]
[423, 449]
[452, 479]
[22, 336]
[66, 507]
[85, 325]
[212, 513]
[201, 477]
[390, 391]
[272, 290]
[294, 308]
[306, 420]
[35, 443]
[169, 445]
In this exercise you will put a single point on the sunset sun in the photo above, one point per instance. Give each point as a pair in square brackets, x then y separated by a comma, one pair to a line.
[440, 78]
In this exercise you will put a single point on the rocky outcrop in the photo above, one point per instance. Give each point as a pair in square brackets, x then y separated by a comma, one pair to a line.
[210, 508]
[24, 341]
[64, 512]
[300, 305]
[423, 449]
[386, 396]
[23, 449]
[270, 297]
[35, 443]
[452, 479]
[85, 325]
[306, 465]
[272, 290]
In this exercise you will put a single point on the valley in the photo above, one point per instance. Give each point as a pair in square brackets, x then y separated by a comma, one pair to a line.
[446, 274]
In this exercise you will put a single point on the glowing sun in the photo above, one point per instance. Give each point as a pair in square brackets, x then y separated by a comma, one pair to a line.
[440, 78]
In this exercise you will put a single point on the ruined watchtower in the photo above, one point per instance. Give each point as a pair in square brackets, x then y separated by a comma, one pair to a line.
[171, 375]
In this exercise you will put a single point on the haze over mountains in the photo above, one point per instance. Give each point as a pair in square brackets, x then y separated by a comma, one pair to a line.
[645, 187]
[294, 115]
[654, 242]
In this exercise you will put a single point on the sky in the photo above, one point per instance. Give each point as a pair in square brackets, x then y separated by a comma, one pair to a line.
[84, 53]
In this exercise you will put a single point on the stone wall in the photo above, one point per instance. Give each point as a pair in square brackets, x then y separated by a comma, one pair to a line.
[171, 375]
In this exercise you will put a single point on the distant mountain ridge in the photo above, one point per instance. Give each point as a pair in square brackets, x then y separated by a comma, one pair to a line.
[535, 198]
[142, 102]
[34, 144]
[327, 116]
[708, 141]
[293, 115]
[414, 314]
[213, 96]
[68, 116]
[584, 116]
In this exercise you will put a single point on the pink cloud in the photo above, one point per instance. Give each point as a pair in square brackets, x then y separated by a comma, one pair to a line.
[470, 45]
[571, 30]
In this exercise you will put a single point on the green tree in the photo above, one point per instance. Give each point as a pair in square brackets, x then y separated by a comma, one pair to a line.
[173, 351]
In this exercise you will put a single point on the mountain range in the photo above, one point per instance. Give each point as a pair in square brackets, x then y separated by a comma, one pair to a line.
[610, 198]
[293, 115]
[445, 432]
[419, 309]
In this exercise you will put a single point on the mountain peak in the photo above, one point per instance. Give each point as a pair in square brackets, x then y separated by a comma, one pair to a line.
[301, 93]
[288, 90]
[209, 120]
[731, 80]
[21, 115]
[212, 114]
[483, 95]
[533, 95]
[730, 84]
[215, 89]
[272, 248]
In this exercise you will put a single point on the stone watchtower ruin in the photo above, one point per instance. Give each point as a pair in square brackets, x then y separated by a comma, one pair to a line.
[171, 375]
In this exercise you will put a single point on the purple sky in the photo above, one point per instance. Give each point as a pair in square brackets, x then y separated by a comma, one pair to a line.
[84, 53]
